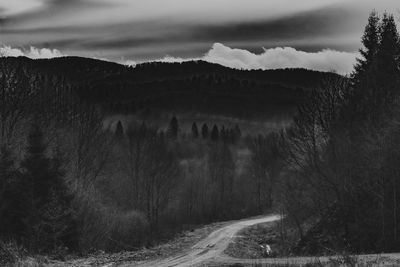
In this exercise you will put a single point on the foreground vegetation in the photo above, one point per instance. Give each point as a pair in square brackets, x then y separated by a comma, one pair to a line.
[342, 152]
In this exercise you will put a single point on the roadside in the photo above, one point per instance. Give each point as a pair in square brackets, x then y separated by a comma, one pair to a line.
[183, 241]
[234, 243]
[210, 250]
[248, 249]
[255, 242]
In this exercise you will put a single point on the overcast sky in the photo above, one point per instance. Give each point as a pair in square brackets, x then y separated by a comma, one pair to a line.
[319, 34]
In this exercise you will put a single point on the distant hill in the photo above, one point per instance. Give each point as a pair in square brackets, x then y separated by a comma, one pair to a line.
[195, 85]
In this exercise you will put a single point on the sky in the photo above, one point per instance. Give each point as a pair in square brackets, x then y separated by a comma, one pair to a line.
[250, 34]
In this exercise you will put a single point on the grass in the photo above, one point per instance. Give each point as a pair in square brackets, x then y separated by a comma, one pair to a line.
[180, 243]
[248, 244]
[14, 255]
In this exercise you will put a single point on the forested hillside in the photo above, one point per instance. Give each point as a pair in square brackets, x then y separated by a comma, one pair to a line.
[188, 86]
[70, 182]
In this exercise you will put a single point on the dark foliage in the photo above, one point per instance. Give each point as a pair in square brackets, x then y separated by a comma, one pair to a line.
[195, 130]
[11, 210]
[193, 86]
[204, 131]
[215, 133]
[341, 153]
[173, 128]
[48, 218]
[119, 130]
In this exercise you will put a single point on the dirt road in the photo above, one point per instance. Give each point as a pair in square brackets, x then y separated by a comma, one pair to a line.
[209, 250]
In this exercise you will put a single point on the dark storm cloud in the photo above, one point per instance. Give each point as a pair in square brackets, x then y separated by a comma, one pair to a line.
[150, 29]
[51, 10]
[306, 30]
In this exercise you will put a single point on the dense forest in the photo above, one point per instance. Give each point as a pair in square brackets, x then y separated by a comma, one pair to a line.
[194, 86]
[70, 182]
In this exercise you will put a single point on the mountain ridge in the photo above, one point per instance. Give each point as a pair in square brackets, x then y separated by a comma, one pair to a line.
[197, 85]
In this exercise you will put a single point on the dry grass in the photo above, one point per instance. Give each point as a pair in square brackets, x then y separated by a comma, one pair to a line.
[247, 244]
[14, 255]
[181, 242]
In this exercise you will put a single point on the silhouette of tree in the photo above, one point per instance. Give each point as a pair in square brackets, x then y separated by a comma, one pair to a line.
[173, 128]
[119, 131]
[215, 133]
[370, 41]
[204, 131]
[382, 80]
[195, 130]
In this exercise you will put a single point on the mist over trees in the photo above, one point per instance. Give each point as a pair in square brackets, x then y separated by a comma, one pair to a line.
[68, 181]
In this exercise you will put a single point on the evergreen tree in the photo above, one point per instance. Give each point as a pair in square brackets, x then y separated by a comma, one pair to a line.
[173, 128]
[370, 41]
[119, 130]
[215, 133]
[389, 48]
[383, 77]
[48, 219]
[204, 131]
[195, 130]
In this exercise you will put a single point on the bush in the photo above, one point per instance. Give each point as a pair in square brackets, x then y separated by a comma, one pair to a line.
[11, 253]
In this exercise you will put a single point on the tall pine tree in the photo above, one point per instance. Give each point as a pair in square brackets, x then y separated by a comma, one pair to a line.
[383, 78]
[370, 41]
[215, 133]
[204, 131]
[375, 80]
[48, 219]
[195, 130]
[173, 128]
[119, 130]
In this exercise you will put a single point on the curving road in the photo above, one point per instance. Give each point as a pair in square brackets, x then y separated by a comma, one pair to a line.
[210, 252]
[211, 248]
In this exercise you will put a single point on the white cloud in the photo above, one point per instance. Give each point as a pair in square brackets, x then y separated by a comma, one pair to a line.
[274, 58]
[32, 52]
[171, 59]
[129, 63]
[282, 57]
